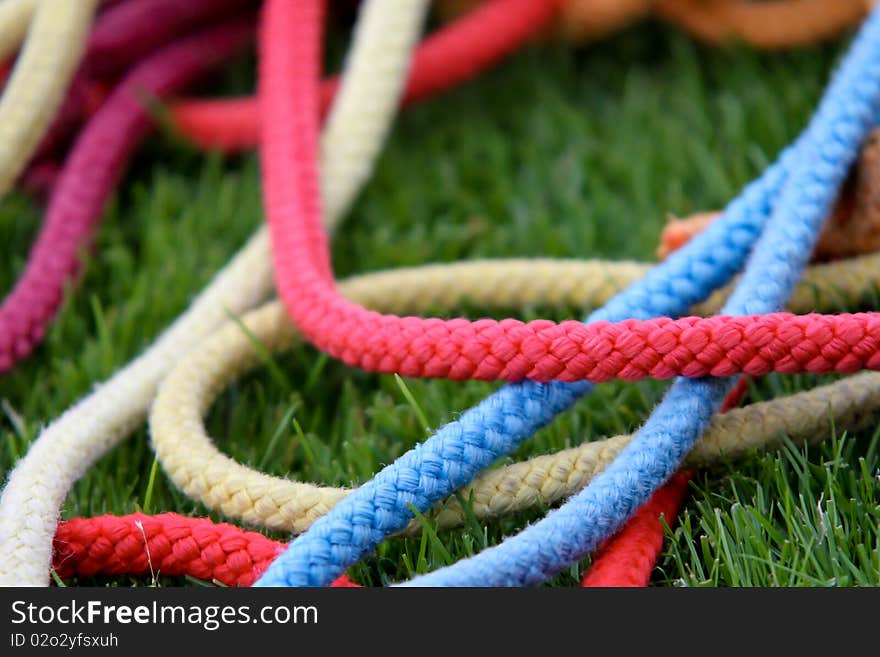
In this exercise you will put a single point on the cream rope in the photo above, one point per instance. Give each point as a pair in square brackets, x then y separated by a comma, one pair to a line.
[194, 464]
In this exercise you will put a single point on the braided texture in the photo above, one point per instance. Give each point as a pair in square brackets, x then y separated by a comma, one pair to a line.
[628, 558]
[191, 460]
[88, 179]
[509, 349]
[451, 56]
[451, 458]
[177, 545]
[42, 72]
[37, 486]
[164, 544]
[843, 121]
[852, 229]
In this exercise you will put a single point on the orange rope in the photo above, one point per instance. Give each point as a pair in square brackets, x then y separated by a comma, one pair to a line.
[769, 24]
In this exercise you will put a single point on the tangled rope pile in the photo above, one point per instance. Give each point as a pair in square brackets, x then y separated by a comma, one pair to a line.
[815, 165]
[193, 463]
[777, 218]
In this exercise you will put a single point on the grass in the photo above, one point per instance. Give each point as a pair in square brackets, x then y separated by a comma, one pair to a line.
[561, 152]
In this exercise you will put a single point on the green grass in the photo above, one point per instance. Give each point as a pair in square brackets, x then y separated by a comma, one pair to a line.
[557, 152]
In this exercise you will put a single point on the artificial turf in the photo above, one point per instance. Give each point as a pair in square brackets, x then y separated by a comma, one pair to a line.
[557, 152]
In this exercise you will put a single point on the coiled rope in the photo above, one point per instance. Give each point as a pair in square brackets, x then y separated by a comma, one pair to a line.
[190, 459]
[451, 458]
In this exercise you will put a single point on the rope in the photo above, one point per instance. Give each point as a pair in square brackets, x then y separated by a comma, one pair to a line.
[508, 349]
[852, 229]
[122, 35]
[132, 30]
[167, 544]
[775, 24]
[177, 545]
[628, 558]
[37, 486]
[88, 179]
[232, 124]
[43, 70]
[565, 535]
[174, 545]
[452, 457]
[450, 56]
[190, 459]
[771, 24]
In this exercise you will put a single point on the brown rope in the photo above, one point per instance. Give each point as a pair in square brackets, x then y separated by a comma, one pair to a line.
[853, 228]
[768, 24]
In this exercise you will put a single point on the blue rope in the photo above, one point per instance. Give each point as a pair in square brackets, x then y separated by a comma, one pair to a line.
[807, 176]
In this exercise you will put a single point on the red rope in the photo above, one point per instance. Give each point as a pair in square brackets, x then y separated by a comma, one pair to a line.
[451, 56]
[165, 544]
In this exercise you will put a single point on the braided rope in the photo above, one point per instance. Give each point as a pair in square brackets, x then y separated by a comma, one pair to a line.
[852, 229]
[233, 124]
[565, 535]
[42, 72]
[446, 58]
[164, 544]
[88, 179]
[451, 458]
[224, 554]
[177, 545]
[37, 486]
[628, 557]
[190, 459]
[509, 349]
